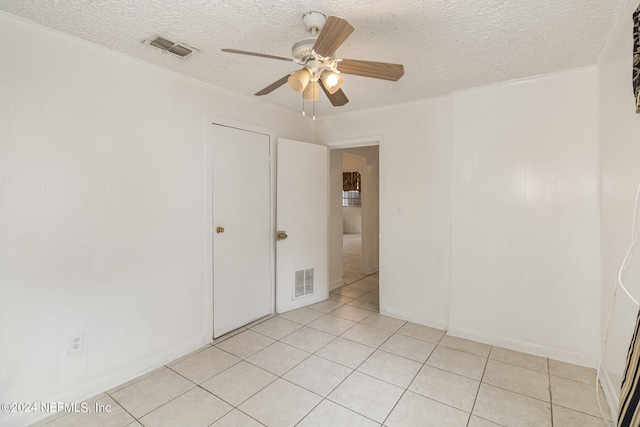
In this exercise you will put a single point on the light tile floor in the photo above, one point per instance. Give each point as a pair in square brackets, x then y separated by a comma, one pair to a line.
[341, 363]
[352, 256]
[338, 363]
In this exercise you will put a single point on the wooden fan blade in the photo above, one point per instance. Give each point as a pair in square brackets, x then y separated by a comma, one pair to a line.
[333, 34]
[377, 70]
[338, 99]
[273, 86]
[262, 55]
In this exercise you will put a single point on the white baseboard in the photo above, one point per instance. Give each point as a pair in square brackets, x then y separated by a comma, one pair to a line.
[421, 320]
[100, 385]
[611, 393]
[372, 270]
[536, 350]
[524, 347]
[336, 284]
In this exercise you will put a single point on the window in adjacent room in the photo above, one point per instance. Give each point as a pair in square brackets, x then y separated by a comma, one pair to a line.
[351, 189]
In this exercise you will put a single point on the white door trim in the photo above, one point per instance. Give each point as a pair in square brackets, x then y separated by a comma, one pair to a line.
[364, 141]
[207, 211]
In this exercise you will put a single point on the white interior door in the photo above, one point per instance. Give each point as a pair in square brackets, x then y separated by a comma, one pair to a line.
[302, 209]
[242, 289]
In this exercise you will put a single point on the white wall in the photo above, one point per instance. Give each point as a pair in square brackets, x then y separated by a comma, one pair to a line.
[522, 227]
[620, 176]
[102, 212]
[351, 220]
[524, 258]
[414, 202]
[103, 224]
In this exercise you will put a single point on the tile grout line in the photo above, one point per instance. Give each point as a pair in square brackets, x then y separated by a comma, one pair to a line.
[392, 333]
[169, 401]
[228, 403]
[414, 378]
[550, 393]
[479, 385]
[236, 407]
[513, 391]
[352, 369]
[518, 366]
[323, 398]
[170, 365]
[342, 406]
[242, 412]
[309, 355]
[244, 359]
[356, 370]
[241, 359]
[257, 391]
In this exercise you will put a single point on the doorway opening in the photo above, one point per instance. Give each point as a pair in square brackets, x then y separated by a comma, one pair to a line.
[353, 166]
[354, 226]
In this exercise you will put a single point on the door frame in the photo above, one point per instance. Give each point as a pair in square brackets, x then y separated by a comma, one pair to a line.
[207, 149]
[369, 141]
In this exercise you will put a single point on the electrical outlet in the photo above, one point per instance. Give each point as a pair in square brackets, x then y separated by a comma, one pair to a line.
[76, 343]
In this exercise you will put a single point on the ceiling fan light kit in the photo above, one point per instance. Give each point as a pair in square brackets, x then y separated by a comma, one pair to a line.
[311, 92]
[299, 80]
[331, 81]
[321, 68]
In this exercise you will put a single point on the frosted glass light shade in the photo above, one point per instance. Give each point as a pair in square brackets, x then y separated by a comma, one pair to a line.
[332, 81]
[312, 92]
[299, 80]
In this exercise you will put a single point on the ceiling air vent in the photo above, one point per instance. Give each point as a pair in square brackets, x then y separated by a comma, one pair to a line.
[180, 49]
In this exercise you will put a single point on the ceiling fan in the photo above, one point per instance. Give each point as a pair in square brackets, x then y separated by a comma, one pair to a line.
[321, 68]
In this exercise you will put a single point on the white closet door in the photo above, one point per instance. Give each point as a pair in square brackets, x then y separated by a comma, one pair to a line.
[242, 289]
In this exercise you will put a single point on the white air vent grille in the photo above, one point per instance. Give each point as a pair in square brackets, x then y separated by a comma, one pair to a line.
[180, 49]
[162, 43]
[299, 290]
[308, 281]
[303, 283]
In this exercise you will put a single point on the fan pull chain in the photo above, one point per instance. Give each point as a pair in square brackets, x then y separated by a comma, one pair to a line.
[313, 109]
[303, 113]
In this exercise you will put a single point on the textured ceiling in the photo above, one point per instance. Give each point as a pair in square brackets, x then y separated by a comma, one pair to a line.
[444, 45]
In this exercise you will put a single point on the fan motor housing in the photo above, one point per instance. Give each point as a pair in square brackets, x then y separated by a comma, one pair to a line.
[302, 48]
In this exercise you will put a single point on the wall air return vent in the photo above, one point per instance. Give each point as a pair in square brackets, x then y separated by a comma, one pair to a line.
[303, 283]
[180, 49]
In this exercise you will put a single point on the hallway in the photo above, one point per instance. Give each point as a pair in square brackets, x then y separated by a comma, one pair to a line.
[359, 290]
[352, 255]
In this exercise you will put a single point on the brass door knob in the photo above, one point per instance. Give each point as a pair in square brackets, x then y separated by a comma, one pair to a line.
[219, 229]
[281, 235]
